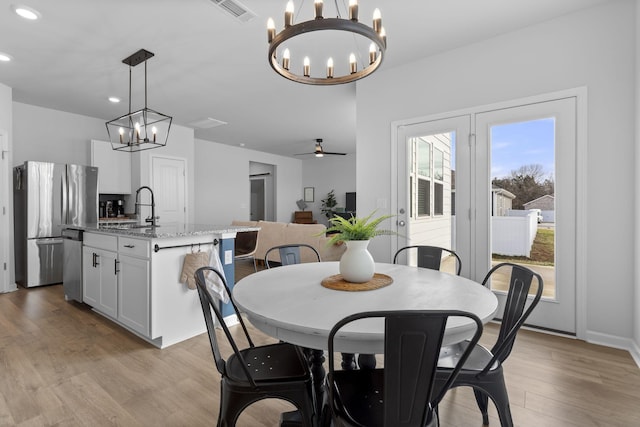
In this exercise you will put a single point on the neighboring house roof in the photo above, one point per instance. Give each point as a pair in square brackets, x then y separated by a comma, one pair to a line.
[547, 198]
[502, 192]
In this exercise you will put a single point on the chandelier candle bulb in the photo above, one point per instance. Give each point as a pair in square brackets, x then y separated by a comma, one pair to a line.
[288, 15]
[306, 65]
[353, 67]
[286, 56]
[377, 21]
[318, 5]
[330, 68]
[271, 29]
[353, 10]
[137, 127]
[154, 131]
[372, 53]
[121, 132]
[383, 34]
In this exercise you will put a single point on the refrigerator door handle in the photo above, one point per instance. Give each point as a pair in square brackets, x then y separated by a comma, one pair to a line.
[64, 214]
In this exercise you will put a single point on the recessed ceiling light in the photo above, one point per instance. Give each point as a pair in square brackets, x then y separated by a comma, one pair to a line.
[114, 99]
[26, 12]
[4, 57]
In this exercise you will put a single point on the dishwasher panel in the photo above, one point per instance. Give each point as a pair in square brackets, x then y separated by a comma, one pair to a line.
[72, 267]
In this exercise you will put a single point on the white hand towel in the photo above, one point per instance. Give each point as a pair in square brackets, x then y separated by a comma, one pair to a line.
[214, 284]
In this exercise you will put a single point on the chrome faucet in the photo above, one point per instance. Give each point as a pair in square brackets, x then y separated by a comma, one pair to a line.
[153, 218]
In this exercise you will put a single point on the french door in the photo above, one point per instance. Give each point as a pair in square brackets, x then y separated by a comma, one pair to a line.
[447, 194]
[434, 185]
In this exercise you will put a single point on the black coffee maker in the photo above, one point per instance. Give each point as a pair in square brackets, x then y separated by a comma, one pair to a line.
[118, 207]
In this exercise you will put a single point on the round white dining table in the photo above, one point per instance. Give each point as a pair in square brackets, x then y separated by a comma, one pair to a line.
[289, 303]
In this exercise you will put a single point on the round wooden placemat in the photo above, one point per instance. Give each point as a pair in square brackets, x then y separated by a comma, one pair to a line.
[337, 282]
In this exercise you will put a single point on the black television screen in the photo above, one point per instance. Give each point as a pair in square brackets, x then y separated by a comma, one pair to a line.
[350, 204]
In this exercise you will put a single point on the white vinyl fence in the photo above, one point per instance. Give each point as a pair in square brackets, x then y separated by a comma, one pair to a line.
[513, 235]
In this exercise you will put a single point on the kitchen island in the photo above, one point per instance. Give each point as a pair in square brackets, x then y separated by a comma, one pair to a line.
[131, 275]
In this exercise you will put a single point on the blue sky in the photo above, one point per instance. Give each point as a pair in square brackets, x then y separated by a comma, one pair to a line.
[523, 143]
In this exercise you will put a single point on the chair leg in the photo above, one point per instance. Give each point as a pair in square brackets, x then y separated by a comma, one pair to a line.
[255, 267]
[494, 388]
[483, 403]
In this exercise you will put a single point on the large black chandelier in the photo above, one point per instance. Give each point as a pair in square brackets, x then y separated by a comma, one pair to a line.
[359, 65]
[143, 129]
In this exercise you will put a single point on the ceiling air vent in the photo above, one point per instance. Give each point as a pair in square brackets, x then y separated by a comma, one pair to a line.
[206, 123]
[235, 9]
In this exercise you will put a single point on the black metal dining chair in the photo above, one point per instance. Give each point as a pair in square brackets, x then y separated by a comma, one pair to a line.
[277, 371]
[403, 392]
[289, 254]
[483, 370]
[430, 256]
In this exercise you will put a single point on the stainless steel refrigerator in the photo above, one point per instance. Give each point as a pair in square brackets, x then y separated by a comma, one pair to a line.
[48, 197]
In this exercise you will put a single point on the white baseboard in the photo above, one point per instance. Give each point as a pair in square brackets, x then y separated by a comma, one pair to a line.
[635, 353]
[615, 342]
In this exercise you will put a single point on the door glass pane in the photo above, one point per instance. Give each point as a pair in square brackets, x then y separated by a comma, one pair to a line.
[523, 198]
[431, 184]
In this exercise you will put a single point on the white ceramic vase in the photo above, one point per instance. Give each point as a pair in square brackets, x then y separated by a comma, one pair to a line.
[356, 264]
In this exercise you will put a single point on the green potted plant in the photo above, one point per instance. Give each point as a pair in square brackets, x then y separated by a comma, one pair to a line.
[329, 204]
[356, 264]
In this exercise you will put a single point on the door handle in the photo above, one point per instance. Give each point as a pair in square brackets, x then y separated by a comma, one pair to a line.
[401, 223]
[115, 266]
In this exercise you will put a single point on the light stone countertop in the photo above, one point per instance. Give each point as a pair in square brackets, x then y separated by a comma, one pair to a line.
[168, 230]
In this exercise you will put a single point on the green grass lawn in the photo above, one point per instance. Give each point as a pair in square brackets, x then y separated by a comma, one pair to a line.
[542, 251]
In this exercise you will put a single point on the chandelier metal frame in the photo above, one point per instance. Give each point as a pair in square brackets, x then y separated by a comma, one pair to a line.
[135, 131]
[323, 24]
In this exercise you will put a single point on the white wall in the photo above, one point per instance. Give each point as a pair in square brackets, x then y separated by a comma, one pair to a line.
[6, 124]
[328, 173]
[593, 48]
[636, 307]
[48, 135]
[222, 182]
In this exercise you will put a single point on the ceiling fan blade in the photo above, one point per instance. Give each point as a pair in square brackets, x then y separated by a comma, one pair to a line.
[303, 154]
[335, 154]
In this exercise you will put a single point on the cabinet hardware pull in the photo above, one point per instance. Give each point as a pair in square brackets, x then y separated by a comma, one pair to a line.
[130, 246]
[95, 260]
[115, 266]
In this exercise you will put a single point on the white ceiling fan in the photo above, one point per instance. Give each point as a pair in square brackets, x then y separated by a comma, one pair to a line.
[319, 151]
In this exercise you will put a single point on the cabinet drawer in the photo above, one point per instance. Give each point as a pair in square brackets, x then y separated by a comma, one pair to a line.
[101, 241]
[134, 247]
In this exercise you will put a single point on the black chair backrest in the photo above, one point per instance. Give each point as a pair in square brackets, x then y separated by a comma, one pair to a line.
[208, 303]
[430, 256]
[412, 345]
[289, 254]
[514, 314]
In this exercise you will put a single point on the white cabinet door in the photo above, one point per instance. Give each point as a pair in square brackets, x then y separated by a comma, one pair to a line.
[90, 277]
[133, 293]
[100, 280]
[114, 168]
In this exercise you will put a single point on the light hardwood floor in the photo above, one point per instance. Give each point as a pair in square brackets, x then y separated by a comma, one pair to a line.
[63, 365]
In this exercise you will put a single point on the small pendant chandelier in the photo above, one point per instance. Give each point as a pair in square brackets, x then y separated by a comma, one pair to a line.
[281, 61]
[143, 129]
